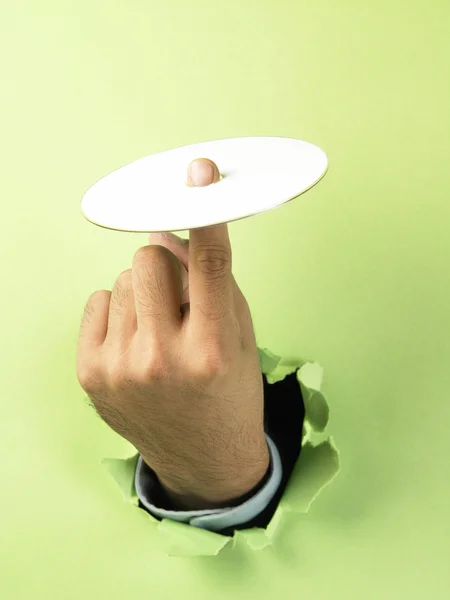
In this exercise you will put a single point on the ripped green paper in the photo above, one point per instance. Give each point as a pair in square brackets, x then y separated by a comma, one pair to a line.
[182, 539]
[317, 466]
[122, 470]
[267, 360]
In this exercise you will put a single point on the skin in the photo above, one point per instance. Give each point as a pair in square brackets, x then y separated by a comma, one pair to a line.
[170, 362]
[201, 172]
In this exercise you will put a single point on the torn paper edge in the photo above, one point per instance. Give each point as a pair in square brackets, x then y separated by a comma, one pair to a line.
[182, 539]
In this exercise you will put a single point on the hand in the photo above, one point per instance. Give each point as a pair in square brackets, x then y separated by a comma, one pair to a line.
[183, 386]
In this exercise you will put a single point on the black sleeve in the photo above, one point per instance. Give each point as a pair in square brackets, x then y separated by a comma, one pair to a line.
[284, 413]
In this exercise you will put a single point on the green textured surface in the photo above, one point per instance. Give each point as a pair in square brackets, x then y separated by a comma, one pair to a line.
[356, 278]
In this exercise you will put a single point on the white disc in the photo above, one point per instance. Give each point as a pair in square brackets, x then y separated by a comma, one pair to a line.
[151, 195]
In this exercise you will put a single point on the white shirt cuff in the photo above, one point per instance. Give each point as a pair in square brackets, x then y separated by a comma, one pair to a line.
[218, 518]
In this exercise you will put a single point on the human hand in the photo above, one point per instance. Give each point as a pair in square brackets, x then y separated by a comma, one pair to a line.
[183, 386]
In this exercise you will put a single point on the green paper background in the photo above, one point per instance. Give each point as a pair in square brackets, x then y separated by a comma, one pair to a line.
[356, 277]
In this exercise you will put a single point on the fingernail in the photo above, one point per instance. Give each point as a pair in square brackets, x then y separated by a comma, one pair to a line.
[202, 172]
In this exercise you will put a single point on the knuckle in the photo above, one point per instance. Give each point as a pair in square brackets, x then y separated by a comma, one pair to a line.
[98, 296]
[116, 373]
[213, 261]
[149, 254]
[88, 377]
[140, 254]
[124, 279]
[84, 379]
[216, 312]
[211, 365]
[148, 364]
[154, 369]
[148, 297]
[121, 292]
[94, 299]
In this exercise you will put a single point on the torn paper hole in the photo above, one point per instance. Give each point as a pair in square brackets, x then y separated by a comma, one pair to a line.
[317, 465]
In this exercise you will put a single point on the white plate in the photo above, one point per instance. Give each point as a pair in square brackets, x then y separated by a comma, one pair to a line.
[151, 195]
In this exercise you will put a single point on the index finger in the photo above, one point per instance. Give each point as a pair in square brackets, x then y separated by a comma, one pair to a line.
[210, 277]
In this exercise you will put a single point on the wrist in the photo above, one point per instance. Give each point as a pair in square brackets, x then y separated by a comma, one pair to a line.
[230, 489]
